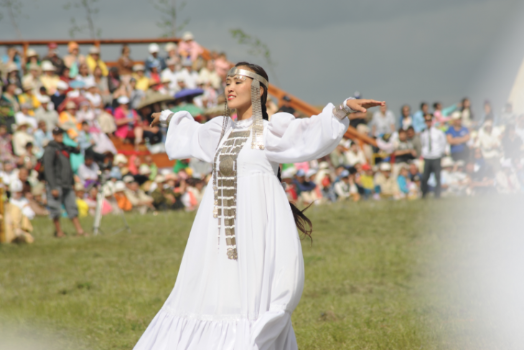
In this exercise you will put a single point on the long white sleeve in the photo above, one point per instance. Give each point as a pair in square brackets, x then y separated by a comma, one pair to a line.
[187, 138]
[292, 140]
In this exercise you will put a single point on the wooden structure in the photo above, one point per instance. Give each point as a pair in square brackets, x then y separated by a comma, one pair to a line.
[274, 91]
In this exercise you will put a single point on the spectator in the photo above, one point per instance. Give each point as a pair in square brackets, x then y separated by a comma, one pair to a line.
[84, 75]
[338, 156]
[82, 205]
[49, 79]
[102, 85]
[433, 148]
[142, 82]
[406, 120]
[123, 203]
[18, 227]
[46, 113]
[135, 95]
[31, 57]
[141, 202]
[33, 77]
[20, 138]
[453, 182]
[383, 122]
[67, 120]
[13, 75]
[36, 200]
[125, 64]
[305, 189]
[385, 183]
[188, 48]
[42, 137]
[88, 171]
[171, 74]
[418, 118]
[8, 107]
[17, 198]
[209, 73]
[12, 56]
[171, 49]
[154, 60]
[128, 123]
[60, 95]
[24, 116]
[286, 106]
[162, 199]
[489, 144]
[55, 60]
[488, 114]
[28, 96]
[346, 188]
[74, 59]
[59, 180]
[481, 178]
[188, 74]
[404, 149]
[458, 137]
[93, 61]
[355, 155]
[403, 181]
[6, 148]
[468, 119]
[222, 66]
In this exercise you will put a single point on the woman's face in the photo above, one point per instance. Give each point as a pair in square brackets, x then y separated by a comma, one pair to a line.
[238, 91]
[406, 111]
[83, 69]
[97, 72]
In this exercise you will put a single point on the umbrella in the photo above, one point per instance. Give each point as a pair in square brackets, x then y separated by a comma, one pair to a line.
[189, 93]
[153, 97]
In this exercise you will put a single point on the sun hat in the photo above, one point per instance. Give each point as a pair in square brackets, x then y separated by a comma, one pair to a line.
[44, 99]
[187, 36]
[170, 46]
[79, 187]
[120, 159]
[153, 47]
[288, 173]
[16, 186]
[62, 85]
[70, 105]
[128, 179]
[94, 50]
[12, 67]
[30, 53]
[344, 173]
[138, 67]
[447, 162]
[385, 166]
[301, 172]
[28, 85]
[323, 165]
[123, 100]
[311, 172]
[456, 115]
[160, 178]
[144, 169]
[120, 186]
[47, 66]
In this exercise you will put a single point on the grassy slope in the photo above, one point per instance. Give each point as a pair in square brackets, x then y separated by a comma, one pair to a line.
[367, 278]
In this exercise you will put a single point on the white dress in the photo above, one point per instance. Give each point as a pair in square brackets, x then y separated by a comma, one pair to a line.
[243, 304]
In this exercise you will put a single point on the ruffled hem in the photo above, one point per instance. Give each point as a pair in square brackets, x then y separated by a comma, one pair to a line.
[192, 332]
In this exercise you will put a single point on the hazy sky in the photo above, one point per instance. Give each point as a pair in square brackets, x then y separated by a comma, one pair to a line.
[402, 51]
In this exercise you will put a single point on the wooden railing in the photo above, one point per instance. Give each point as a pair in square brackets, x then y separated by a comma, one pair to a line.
[274, 91]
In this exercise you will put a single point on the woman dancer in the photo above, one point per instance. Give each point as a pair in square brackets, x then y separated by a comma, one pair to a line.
[242, 273]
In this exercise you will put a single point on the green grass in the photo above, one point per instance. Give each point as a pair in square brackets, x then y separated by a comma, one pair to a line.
[371, 280]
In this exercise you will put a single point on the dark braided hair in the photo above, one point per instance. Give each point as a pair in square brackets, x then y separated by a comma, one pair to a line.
[302, 222]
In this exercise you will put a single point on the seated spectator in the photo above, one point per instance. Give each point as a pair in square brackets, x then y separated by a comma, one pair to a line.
[37, 201]
[67, 120]
[93, 61]
[17, 227]
[305, 189]
[142, 82]
[188, 74]
[154, 60]
[162, 199]
[6, 148]
[123, 203]
[102, 86]
[60, 95]
[33, 77]
[8, 107]
[24, 116]
[355, 155]
[49, 78]
[222, 65]
[404, 149]
[453, 182]
[367, 182]
[386, 183]
[141, 202]
[17, 199]
[171, 49]
[346, 188]
[93, 95]
[171, 74]
[46, 113]
[338, 156]
[29, 97]
[489, 143]
[209, 74]
[128, 122]
[73, 59]
[84, 74]
[20, 139]
[53, 58]
[188, 48]
[88, 171]
[83, 206]
[481, 177]
[406, 120]
[383, 122]
[135, 95]
[403, 182]
[458, 137]
[414, 138]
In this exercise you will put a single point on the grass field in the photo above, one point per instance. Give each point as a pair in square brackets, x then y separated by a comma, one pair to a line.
[373, 280]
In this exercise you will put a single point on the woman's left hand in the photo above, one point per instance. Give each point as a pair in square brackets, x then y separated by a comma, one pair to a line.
[362, 105]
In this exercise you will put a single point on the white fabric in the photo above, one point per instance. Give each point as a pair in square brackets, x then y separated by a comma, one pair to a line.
[438, 143]
[243, 304]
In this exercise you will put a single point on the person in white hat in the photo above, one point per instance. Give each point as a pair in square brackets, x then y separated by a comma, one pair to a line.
[142, 81]
[154, 59]
[189, 48]
[458, 136]
[49, 79]
[21, 138]
[93, 60]
[385, 183]
[127, 122]
[17, 198]
[33, 76]
[434, 145]
[29, 96]
[171, 74]
[24, 116]
[189, 75]
[17, 215]
[210, 74]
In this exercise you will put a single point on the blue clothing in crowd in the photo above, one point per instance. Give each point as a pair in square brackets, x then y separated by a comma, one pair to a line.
[457, 133]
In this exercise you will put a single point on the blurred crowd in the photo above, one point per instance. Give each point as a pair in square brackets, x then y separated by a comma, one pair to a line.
[62, 119]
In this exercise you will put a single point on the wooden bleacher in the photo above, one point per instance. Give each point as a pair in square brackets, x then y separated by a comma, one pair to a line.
[161, 159]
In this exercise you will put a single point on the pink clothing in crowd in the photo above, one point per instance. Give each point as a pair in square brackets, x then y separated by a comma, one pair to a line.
[221, 67]
[123, 130]
[191, 48]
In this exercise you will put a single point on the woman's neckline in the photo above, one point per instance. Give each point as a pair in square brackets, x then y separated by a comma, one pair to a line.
[240, 124]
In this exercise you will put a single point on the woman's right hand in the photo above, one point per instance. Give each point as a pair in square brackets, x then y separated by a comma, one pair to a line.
[156, 119]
